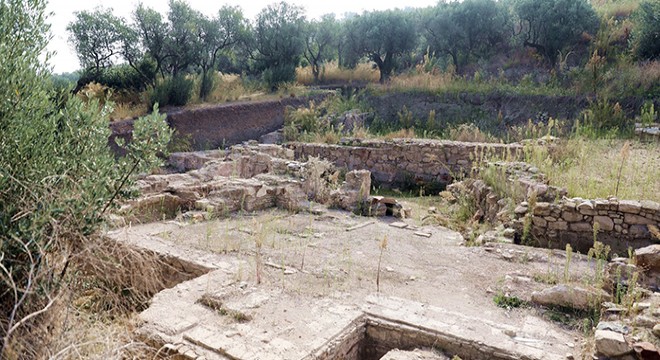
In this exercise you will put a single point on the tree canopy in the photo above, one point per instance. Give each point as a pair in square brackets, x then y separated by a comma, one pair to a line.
[551, 26]
[381, 36]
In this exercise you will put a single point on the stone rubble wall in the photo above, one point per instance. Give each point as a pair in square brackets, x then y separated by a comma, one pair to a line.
[247, 178]
[622, 224]
[555, 220]
[403, 162]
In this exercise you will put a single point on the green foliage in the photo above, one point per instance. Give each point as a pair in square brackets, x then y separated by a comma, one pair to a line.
[320, 40]
[217, 35]
[279, 42]
[381, 36]
[97, 37]
[646, 34]
[467, 29]
[551, 26]
[508, 302]
[57, 173]
[175, 91]
[603, 118]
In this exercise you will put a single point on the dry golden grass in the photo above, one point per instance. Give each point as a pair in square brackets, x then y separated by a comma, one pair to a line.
[88, 336]
[422, 81]
[615, 8]
[124, 111]
[589, 168]
[332, 73]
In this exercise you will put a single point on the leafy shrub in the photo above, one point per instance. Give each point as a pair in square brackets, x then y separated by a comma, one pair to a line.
[175, 91]
[57, 178]
[603, 119]
[646, 35]
[277, 75]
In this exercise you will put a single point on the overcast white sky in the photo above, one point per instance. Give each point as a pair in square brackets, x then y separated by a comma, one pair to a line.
[65, 59]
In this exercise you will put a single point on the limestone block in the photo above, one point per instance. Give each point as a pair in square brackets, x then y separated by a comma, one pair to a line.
[636, 219]
[571, 296]
[558, 225]
[606, 224]
[571, 216]
[610, 343]
[586, 208]
[629, 206]
[542, 209]
[649, 257]
[581, 227]
[539, 221]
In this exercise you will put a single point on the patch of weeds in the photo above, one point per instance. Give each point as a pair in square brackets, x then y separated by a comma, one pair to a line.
[573, 319]
[508, 302]
[215, 304]
[546, 278]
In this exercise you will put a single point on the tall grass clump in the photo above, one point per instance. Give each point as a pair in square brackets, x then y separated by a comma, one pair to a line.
[57, 176]
[332, 73]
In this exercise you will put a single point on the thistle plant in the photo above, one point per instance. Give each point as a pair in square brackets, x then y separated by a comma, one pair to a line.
[625, 154]
[383, 247]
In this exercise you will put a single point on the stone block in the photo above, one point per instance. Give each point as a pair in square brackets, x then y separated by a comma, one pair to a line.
[581, 227]
[571, 216]
[611, 344]
[630, 206]
[606, 224]
[636, 219]
[639, 231]
[539, 221]
[586, 208]
[558, 225]
[542, 209]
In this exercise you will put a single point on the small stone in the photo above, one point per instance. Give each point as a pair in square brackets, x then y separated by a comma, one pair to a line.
[399, 225]
[610, 343]
[646, 350]
[656, 330]
[422, 234]
[389, 269]
[520, 210]
[649, 257]
[613, 326]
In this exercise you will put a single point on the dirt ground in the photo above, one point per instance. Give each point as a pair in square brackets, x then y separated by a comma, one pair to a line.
[286, 284]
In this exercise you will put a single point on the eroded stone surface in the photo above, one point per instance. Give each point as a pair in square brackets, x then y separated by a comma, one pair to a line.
[428, 292]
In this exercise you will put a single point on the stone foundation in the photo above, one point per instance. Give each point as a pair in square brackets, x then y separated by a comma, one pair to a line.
[621, 224]
[407, 163]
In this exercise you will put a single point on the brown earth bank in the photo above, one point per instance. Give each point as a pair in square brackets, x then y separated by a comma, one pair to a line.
[220, 125]
[483, 109]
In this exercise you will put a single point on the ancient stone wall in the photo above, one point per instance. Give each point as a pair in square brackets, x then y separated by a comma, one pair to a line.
[216, 126]
[621, 224]
[402, 163]
[553, 220]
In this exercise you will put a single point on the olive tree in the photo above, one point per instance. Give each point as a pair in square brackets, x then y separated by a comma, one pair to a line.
[646, 34]
[463, 30]
[551, 26]
[58, 178]
[279, 41]
[97, 37]
[221, 33]
[381, 36]
[320, 42]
